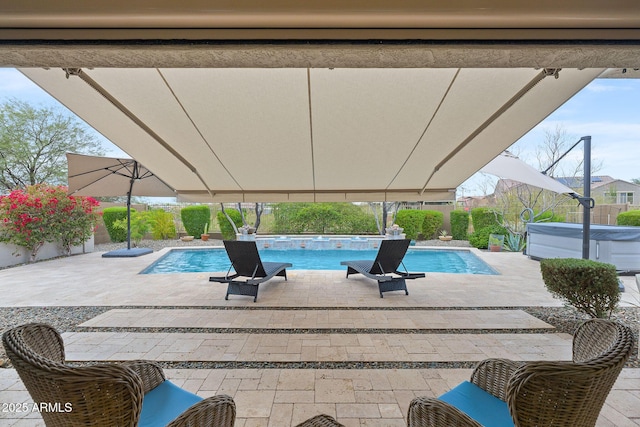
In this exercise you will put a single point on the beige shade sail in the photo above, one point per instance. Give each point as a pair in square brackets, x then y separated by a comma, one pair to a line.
[318, 134]
[508, 166]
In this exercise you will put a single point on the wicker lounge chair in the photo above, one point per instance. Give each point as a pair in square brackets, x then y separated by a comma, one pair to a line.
[129, 394]
[384, 269]
[250, 271]
[507, 393]
[321, 421]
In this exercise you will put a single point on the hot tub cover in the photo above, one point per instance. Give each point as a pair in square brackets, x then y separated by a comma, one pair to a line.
[597, 232]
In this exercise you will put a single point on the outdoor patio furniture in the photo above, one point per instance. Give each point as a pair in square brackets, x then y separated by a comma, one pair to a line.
[249, 269]
[542, 393]
[384, 269]
[320, 421]
[130, 394]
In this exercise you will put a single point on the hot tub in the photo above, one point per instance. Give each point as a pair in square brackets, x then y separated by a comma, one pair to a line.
[612, 244]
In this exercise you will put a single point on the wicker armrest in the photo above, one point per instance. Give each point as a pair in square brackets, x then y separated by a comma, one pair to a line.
[431, 412]
[150, 372]
[321, 420]
[219, 411]
[492, 375]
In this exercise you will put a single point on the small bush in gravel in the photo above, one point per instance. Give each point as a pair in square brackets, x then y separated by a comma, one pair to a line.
[629, 218]
[411, 221]
[480, 238]
[459, 224]
[194, 219]
[110, 216]
[432, 222]
[589, 286]
[226, 229]
[484, 217]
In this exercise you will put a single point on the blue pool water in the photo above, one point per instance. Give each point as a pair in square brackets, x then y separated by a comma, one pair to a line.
[416, 260]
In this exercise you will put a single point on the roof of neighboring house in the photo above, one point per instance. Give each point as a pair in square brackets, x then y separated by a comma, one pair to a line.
[576, 181]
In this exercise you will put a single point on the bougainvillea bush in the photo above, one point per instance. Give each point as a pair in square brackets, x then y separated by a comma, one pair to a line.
[41, 214]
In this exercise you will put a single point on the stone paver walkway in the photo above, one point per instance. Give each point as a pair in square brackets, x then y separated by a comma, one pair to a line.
[319, 318]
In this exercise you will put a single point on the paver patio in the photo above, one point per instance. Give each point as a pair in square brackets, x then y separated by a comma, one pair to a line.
[320, 318]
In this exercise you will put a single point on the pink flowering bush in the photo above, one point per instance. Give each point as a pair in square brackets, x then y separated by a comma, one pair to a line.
[41, 213]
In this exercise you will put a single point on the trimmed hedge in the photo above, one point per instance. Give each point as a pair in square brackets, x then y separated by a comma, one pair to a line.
[340, 218]
[484, 217]
[629, 218]
[480, 238]
[110, 216]
[194, 219]
[228, 233]
[432, 223]
[411, 220]
[459, 224]
[589, 286]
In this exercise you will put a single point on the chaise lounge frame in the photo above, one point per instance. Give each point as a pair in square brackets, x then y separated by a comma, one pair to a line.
[249, 269]
[384, 268]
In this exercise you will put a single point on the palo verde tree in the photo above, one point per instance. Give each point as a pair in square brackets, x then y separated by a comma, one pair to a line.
[33, 143]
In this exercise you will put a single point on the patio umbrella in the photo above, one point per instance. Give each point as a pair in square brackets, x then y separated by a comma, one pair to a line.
[107, 176]
[508, 166]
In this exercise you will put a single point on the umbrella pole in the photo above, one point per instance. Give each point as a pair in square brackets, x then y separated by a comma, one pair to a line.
[131, 181]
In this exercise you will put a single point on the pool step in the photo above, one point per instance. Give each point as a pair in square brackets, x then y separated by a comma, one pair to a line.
[317, 319]
[316, 347]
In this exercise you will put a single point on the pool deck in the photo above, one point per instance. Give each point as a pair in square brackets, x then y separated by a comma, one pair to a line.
[317, 343]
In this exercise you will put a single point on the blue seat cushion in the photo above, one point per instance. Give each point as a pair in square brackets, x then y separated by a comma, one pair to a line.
[483, 407]
[164, 404]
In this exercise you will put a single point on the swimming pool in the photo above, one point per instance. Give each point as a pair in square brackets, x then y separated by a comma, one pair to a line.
[418, 260]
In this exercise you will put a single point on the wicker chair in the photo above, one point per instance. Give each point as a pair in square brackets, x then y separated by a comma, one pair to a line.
[104, 394]
[537, 393]
[320, 421]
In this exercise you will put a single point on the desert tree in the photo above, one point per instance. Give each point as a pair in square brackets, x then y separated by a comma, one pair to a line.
[34, 141]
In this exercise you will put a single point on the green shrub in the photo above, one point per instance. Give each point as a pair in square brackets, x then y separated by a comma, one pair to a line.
[411, 220]
[194, 219]
[228, 233]
[589, 286]
[162, 224]
[140, 225]
[459, 224]
[549, 216]
[484, 217]
[110, 216]
[480, 238]
[341, 218]
[629, 218]
[432, 223]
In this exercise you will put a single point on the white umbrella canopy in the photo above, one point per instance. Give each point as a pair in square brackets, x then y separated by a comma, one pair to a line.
[508, 166]
[108, 176]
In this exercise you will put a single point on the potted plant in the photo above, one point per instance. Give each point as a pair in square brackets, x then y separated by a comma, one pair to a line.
[444, 236]
[205, 235]
[496, 241]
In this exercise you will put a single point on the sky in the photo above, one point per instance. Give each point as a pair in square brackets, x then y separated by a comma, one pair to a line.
[608, 110]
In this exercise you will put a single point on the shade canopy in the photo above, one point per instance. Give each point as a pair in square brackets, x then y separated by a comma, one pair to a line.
[298, 134]
[108, 176]
[508, 166]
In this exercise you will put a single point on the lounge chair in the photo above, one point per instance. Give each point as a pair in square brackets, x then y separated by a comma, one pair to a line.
[249, 269]
[129, 394]
[542, 393]
[384, 268]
